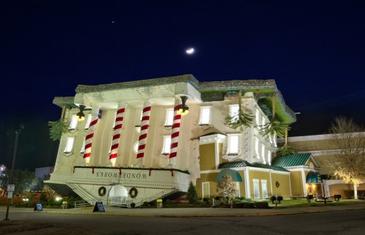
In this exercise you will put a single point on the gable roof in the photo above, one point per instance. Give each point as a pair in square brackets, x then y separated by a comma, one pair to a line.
[243, 163]
[297, 159]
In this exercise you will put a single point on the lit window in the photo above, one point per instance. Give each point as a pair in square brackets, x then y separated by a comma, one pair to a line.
[263, 153]
[234, 111]
[88, 121]
[169, 117]
[69, 144]
[135, 147]
[264, 189]
[166, 147]
[73, 122]
[263, 121]
[257, 118]
[83, 147]
[233, 144]
[256, 189]
[205, 115]
[206, 190]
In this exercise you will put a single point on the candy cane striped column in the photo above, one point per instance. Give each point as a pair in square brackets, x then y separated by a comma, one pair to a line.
[175, 132]
[116, 134]
[145, 124]
[90, 134]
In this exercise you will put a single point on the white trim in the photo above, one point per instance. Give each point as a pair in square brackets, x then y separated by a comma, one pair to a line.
[205, 183]
[319, 137]
[268, 170]
[216, 154]
[247, 183]
[247, 167]
[290, 190]
[210, 139]
[322, 152]
[209, 171]
[271, 192]
[304, 183]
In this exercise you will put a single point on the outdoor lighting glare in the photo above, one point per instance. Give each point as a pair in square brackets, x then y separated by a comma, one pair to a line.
[184, 109]
[81, 114]
[58, 198]
[25, 199]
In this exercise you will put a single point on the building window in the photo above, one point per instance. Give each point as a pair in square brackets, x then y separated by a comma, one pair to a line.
[135, 147]
[233, 144]
[263, 121]
[69, 144]
[234, 111]
[73, 122]
[166, 147]
[205, 189]
[256, 189]
[169, 117]
[264, 189]
[88, 121]
[82, 147]
[205, 115]
[263, 153]
[257, 117]
[257, 148]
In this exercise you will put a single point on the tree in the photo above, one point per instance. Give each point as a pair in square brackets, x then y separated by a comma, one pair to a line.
[227, 188]
[22, 179]
[243, 119]
[192, 195]
[349, 162]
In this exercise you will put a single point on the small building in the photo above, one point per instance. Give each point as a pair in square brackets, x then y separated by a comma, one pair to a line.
[322, 149]
[133, 142]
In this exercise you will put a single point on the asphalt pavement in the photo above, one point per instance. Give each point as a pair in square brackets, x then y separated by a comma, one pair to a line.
[330, 222]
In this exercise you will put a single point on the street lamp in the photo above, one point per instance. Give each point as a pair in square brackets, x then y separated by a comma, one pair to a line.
[11, 175]
[184, 109]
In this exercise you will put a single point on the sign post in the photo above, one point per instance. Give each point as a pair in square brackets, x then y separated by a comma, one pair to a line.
[11, 186]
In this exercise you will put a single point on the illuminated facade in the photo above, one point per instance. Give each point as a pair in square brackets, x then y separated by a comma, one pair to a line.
[133, 142]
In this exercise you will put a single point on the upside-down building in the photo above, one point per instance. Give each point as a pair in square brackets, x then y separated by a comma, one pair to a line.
[133, 142]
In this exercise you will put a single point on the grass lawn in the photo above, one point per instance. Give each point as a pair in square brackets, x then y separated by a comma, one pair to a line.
[304, 203]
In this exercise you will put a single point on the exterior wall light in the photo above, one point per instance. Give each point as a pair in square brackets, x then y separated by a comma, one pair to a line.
[184, 109]
[81, 114]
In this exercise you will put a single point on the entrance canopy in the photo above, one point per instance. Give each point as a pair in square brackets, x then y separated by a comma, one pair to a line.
[236, 177]
[313, 178]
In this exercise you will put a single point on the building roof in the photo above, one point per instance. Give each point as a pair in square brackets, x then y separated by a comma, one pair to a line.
[243, 163]
[264, 89]
[297, 159]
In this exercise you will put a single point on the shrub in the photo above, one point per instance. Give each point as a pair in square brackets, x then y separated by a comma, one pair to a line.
[192, 195]
[262, 205]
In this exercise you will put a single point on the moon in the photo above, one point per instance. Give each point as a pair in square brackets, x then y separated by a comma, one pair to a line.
[190, 51]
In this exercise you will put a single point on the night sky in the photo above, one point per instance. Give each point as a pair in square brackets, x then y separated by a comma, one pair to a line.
[315, 52]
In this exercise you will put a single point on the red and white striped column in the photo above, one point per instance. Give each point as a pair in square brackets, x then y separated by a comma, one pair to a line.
[119, 117]
[90, 134]
[145, 124]
[175, 133]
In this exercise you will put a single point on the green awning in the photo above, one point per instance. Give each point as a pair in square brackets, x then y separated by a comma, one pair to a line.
[313, 178]
[236, 177]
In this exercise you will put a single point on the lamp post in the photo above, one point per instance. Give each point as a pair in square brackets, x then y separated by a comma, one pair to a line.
[11, 175]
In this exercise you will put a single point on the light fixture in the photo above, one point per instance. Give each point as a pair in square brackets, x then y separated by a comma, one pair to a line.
[184, 109]
[80, 114]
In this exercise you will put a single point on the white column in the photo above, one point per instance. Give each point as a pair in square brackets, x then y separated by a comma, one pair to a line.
[304, 183]
[247, 183]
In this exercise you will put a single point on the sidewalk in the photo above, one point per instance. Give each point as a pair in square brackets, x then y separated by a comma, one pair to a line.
[193, 212]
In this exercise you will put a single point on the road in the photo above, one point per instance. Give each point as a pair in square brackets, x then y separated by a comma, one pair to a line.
[335, 222]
